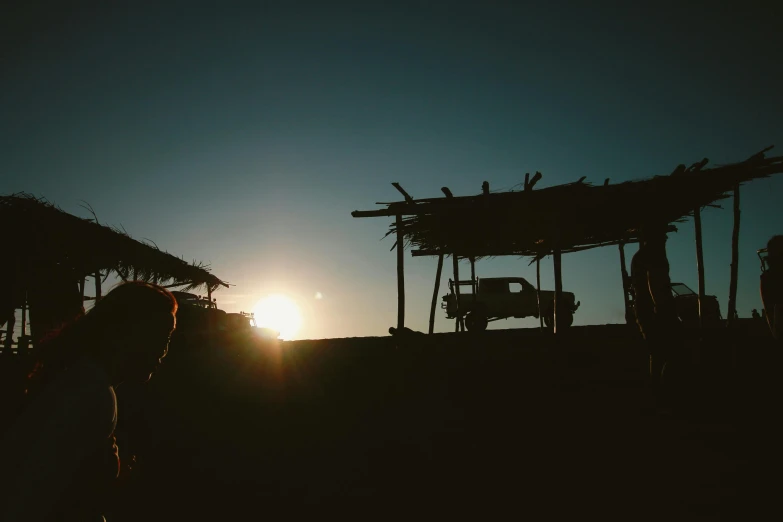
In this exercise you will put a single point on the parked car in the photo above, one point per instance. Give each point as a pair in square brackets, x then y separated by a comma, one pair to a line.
[504, 297]
[198, 317]
[687, 303]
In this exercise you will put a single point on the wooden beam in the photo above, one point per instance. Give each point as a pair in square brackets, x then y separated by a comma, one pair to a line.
[530, 253]
[536, 178]
[734, 258]
[24, 314]
[97, 276]
[457, 322]
[558, 286]
[624, 275]
[699, 261]
[400, 275]
[9, 330]
[473, 285]
[408, 198]
[435, 293]
[538, 293]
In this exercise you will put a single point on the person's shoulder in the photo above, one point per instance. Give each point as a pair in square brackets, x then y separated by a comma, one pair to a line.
[771, 279]
[657, 256]
[638, 257]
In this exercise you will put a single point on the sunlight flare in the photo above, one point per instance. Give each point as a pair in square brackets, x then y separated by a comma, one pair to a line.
[279, 313]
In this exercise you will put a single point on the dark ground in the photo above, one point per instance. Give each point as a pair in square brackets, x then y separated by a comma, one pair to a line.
[505, 422]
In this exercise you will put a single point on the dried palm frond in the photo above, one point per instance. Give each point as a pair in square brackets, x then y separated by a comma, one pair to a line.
[574, 216]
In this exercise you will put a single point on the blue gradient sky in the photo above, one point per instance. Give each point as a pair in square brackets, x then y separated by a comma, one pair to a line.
[245, 137]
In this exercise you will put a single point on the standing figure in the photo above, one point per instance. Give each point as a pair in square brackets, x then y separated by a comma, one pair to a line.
[656, 314]
[772, 287]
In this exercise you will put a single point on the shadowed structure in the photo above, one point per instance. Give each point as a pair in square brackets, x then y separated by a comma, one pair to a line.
[49, 253]
[565, 218]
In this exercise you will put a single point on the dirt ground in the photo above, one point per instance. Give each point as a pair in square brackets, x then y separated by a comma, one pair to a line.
[453, 425]
[499, 423]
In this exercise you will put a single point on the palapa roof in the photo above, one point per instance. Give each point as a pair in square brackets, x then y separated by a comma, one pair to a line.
[578, 215]
[39, 234]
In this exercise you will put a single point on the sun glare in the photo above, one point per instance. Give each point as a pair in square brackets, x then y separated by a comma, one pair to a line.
[279, 313]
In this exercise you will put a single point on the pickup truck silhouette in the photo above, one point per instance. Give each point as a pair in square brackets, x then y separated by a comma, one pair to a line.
[504, 297]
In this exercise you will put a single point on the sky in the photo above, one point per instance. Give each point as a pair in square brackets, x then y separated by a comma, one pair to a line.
[243, 137]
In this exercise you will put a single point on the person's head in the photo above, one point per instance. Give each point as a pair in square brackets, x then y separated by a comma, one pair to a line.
[775, 251]
[127, 332]
[652, 234]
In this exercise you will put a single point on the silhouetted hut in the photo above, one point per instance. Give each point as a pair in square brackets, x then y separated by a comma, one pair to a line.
[562, 219]
[48, 254]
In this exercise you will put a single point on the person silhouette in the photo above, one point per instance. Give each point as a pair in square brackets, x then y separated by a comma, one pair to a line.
[656, 313]
[772, 287]
[60, 458]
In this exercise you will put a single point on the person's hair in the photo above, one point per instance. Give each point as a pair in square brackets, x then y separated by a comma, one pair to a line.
[775, 247]
[124, 308]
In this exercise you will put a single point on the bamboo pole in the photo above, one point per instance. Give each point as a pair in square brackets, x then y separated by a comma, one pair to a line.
[538, 292]
[558, 284]
[24, 314]
[473, 277]
[97, 277]
[457, 322]
[624, 275]
[400, 275]
[435, 293]
[734, 258]
[9, 331]
[699, 261]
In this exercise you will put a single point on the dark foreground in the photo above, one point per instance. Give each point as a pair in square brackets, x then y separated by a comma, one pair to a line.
[502, 423]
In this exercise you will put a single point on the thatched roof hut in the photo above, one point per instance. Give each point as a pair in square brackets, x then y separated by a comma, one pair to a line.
[48, 253]
[37, 233]
[564, 218]
[576, 215]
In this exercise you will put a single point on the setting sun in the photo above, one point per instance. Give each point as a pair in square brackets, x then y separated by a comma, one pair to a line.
[279, 313]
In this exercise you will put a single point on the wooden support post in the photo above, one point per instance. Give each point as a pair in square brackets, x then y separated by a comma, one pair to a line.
[81, 288]
[400, 275]
[734, 258]
[624, 275]
[24, 314]
[699, 262]
[558, 285]
[538, 292]
[473, 285]
[97, 277]
[9, 331]
[457, 322]
[435, 293]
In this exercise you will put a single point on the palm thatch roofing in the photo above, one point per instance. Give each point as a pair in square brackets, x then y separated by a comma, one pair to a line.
[38, 235]
[574, 216]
